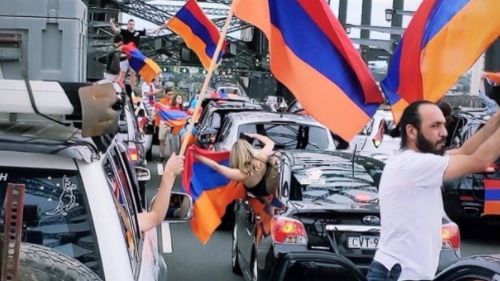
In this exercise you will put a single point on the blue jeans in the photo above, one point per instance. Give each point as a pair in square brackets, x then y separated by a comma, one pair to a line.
[378, 272]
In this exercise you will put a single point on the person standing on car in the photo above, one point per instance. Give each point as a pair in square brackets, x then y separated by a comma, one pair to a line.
[411, 205]
[130, 34]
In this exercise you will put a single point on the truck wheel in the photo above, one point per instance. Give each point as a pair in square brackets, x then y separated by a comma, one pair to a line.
[39, 263]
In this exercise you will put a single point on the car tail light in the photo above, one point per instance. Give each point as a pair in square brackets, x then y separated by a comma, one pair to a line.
[364, 197]
[132, 153]
[288, 231]
[451, 236]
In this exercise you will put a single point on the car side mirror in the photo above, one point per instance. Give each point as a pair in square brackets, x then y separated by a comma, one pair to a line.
[143, 174]
[180, 208]
[379, 135]
[207, 136]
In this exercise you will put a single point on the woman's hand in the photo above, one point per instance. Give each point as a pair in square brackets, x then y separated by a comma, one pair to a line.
[174, 165]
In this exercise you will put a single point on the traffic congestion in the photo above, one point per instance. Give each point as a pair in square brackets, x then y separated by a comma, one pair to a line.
[144, 140]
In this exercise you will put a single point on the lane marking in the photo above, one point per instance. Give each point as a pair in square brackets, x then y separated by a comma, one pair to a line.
[166, 238]
[159, 167]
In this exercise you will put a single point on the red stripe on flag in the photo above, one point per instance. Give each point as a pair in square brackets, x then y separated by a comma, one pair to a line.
[411, 89]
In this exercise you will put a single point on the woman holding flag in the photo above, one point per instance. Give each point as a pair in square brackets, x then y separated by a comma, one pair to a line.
[248, 165]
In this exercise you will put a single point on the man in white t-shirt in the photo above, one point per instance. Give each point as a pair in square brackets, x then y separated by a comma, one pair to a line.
[411, 206]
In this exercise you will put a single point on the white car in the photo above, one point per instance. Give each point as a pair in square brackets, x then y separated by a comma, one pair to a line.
[82, 199]
[288, 131]
[375, 140]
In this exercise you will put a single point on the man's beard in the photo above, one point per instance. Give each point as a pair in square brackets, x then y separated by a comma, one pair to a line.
[426, 146]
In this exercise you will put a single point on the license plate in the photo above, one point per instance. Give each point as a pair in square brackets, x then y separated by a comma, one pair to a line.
[362, 242]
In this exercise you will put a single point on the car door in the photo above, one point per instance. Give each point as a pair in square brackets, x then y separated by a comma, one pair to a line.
[141, 247]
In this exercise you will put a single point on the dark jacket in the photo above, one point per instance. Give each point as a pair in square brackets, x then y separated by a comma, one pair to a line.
[113, 60]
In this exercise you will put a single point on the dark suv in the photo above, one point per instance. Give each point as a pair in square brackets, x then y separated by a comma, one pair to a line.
[331, 207]
[464, 198]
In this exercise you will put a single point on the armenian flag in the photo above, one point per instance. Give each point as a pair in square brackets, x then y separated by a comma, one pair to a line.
[211, 191]
[312, 55]
[146, 67]
[173, 117]
[198, 31]
[491, 197]
[442, 41]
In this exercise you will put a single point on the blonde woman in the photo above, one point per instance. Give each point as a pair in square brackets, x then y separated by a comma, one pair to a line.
[248, 165]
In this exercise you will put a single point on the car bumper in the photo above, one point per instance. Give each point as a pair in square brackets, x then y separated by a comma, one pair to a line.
[314, 265]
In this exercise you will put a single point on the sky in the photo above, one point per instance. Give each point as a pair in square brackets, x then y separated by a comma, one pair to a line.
[378, 14]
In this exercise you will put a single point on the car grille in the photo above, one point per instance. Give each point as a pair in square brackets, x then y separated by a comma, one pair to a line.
[332, 231]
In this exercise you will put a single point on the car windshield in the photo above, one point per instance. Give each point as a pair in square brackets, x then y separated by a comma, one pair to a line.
[290, 135]
[345, 177]
[56, 214]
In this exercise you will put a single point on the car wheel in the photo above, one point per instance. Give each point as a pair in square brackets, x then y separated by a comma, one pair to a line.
[39, 263]
[235, 263]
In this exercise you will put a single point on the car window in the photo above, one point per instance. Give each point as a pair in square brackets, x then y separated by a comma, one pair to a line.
[345, 177]
[204, 114]
[56, 212]
[290, 136]
[118, 181]
[225, 130]
[214, 121]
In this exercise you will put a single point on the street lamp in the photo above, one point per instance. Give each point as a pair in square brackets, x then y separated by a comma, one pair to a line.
[389, 13]
[348, 28]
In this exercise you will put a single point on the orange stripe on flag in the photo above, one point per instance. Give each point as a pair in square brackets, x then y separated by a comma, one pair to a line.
[332, 107]
[210, 208]
[192, 41]
[452, 52]
[150, 70]
[256, 12]
[491, 208]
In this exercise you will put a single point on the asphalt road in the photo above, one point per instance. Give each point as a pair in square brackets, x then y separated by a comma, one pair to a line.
[192, 261]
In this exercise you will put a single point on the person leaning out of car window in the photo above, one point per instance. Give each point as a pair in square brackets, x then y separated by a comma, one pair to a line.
[248, 165]
[151, 219]
[411, 204]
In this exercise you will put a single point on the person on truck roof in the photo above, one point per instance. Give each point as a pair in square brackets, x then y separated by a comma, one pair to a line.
[130, 34]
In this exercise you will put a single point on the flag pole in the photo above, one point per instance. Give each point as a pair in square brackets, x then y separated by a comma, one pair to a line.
[202, 94]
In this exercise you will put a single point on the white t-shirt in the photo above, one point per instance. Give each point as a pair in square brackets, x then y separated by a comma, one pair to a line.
[148, 88]
[411, 210]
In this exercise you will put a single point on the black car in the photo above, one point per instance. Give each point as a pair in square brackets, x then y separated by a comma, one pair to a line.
[464, 198]
[330, 213]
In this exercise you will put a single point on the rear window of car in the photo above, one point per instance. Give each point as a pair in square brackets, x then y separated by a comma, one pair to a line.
[56, 212]
[324, 182]
[290, 136]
